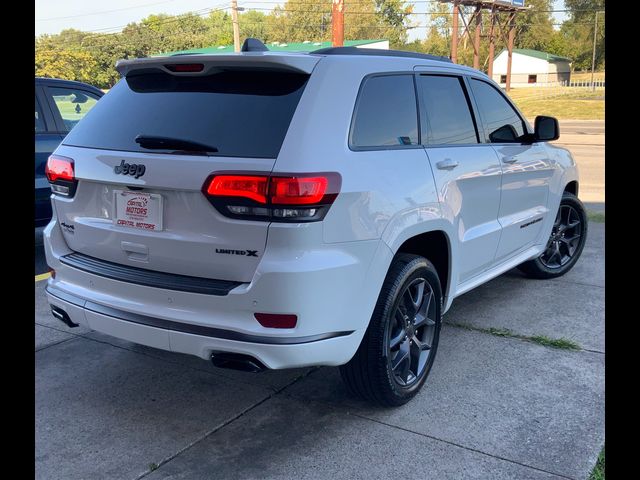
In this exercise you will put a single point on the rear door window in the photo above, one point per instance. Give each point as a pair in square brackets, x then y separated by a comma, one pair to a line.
[446, 117]
[72, 104]
[241, 113]
[386, 114]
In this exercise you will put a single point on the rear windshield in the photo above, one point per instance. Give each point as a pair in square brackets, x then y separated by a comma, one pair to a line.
[241, 113]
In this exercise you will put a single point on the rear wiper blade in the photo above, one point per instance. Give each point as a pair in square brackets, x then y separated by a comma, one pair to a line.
[167, 143]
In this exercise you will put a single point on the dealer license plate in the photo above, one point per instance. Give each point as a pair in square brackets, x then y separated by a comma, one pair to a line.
[138, 210]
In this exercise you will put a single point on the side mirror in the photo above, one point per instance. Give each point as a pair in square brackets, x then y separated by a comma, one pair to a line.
[504, 134]
[79, 98]
[546, 129]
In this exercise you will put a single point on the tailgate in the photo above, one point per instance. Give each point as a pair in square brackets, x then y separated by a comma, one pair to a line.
[142, 203]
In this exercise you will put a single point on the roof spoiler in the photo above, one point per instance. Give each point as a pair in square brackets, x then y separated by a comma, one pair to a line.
[208, 63]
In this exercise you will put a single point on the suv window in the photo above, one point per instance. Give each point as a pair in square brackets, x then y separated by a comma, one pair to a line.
[501, 122]
[386, 113]
[241, 113]
[40, 125]
[72, 104]
[446, 117]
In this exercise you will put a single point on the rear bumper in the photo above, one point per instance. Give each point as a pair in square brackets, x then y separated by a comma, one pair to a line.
[274, 352]
[324, 287]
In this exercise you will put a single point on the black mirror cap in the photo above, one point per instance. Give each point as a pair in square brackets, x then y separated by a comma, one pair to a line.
[546, 129]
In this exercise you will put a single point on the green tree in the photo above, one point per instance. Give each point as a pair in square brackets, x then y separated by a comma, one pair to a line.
[534, 27]
[578, 32]
[438, 36]
[300, 21]
[253, 24]
[65, 63]
[220, 29]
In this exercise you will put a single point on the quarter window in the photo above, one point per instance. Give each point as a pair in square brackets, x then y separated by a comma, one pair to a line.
[501, 122]
[386, 114]
[446, 117]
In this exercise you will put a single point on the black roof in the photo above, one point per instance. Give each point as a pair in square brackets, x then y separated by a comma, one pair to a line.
[378, 53]
[255, 45]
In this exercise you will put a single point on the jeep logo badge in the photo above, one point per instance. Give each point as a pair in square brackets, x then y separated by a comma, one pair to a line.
[130, 169]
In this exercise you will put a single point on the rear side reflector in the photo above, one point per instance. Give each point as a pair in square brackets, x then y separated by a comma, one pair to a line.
[185, 67]
[276, 320]
[59, 168]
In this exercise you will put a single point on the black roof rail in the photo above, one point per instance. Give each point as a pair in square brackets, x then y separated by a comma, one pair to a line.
[378, 52]
[253, 45]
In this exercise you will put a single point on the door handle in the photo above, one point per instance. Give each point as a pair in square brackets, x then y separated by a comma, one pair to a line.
[447, 164]
[510, 159]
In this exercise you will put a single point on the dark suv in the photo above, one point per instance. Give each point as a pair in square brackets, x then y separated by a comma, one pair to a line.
[60, 104]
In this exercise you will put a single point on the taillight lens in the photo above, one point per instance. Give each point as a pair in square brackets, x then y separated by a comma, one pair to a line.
[282, 197]
[297, 190]
[59, 168]
[251, 187]
[61, 175]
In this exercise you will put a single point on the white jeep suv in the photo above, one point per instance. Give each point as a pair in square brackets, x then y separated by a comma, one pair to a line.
[276, 210]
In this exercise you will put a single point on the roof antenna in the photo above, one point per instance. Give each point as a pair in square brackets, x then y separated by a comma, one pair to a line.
[253, 45]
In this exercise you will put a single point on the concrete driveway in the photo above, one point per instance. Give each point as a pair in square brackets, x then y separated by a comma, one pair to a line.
[495, 406]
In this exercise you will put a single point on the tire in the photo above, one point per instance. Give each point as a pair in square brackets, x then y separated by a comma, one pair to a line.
[565, 243]
[398, 337]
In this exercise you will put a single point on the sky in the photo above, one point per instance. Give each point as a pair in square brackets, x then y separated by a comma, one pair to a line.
[53, 16]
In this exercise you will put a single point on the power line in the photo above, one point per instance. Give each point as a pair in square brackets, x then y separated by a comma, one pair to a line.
[104, 11]
[172, 19]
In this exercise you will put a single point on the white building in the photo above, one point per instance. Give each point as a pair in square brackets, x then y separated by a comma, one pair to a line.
[531, 67]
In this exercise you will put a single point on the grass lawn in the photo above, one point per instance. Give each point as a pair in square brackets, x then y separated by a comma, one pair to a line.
[598, 470]
[564, 103]
[586, 76]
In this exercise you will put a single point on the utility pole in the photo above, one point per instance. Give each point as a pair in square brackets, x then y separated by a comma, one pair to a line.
[512, 36]
[454, 34]
[236, 28]
[337, 23]
[593, 58]
[476, 43]
[492, 44]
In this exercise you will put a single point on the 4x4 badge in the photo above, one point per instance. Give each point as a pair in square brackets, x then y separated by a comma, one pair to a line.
[132, 169]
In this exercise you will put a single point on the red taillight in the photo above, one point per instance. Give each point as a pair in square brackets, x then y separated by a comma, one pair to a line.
[276, 320]
[297, 190]
[185, 67]
[59, 168]
[283, 198]
[252, 187]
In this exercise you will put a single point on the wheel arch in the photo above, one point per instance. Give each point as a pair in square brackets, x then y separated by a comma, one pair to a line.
[572, 187]
[435, 244]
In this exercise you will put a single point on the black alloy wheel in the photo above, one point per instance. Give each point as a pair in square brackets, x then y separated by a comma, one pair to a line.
[411, 332]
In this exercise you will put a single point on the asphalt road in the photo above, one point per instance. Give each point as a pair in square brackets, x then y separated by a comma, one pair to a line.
[585, 140]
